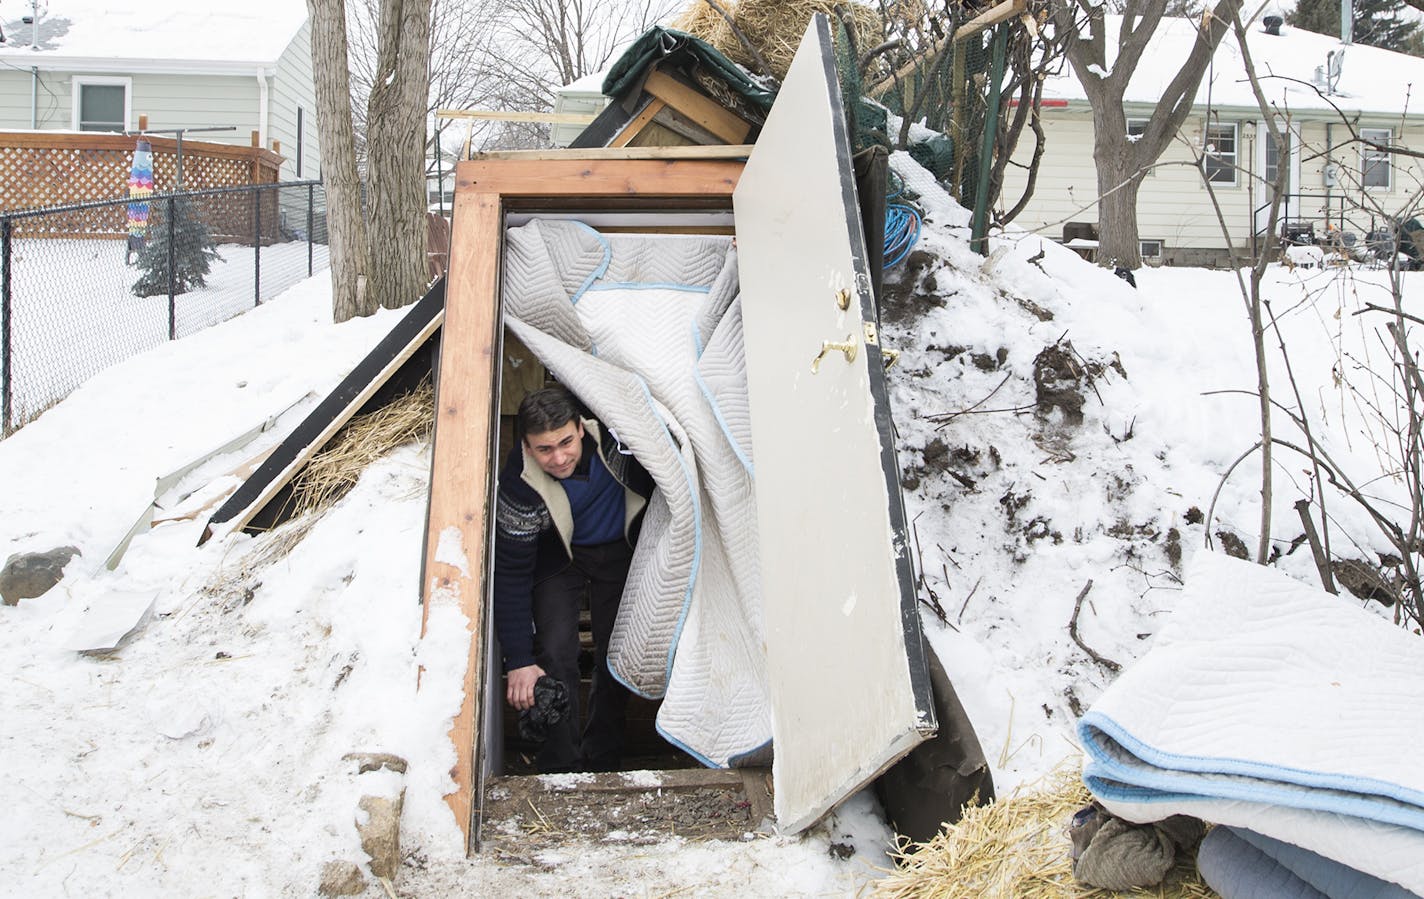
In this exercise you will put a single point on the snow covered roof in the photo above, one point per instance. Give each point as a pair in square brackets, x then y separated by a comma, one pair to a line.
[159, 36]
[1372, 80]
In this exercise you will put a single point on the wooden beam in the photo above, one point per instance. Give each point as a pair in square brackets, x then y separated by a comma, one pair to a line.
[715, 151]
[585, 178]
[992, 16]
[643, 119]
[460, 494]
[508, 115]
[701, 109]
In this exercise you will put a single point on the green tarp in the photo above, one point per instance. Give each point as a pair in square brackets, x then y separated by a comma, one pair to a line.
[681, 50]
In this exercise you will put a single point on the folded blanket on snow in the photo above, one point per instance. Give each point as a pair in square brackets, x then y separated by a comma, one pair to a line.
[1271, 705]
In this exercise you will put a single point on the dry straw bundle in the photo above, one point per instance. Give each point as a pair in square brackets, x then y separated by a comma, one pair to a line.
[334, 471]
[773, 27]
[1016, 847]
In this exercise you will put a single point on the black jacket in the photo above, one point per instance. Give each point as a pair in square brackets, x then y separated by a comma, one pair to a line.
[533, 532]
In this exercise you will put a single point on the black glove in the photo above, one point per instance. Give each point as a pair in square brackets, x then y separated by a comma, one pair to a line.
[551, 705]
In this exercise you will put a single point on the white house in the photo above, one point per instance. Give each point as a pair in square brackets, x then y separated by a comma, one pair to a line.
[95, 65]
[1319, 83]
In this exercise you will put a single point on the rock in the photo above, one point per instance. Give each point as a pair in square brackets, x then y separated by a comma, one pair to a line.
[380, 835]
[27, 575]
[374, 761]
[341, 878]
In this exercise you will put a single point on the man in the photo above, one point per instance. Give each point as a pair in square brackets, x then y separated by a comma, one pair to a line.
[569, 503]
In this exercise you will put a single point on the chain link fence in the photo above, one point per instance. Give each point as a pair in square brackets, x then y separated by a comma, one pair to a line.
[78, 294]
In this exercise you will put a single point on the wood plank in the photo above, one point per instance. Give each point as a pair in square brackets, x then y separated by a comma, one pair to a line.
[593, 177]
[701, 109]
[460, 481]
[716, 151]
[510, 115]
[640, 121]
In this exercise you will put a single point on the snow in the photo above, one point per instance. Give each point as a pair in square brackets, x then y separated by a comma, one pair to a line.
[206, 754]
[1372, 79]
[205, 31]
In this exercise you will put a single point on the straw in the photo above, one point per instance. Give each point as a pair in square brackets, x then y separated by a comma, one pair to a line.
[1016, 847]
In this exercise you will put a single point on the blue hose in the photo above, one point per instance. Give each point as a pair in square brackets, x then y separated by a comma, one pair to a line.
[902, 230]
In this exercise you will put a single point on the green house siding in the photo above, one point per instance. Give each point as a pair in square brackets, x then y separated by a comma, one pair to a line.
[292, 89]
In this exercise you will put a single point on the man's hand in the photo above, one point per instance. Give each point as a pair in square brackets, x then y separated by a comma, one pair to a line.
[521, 686]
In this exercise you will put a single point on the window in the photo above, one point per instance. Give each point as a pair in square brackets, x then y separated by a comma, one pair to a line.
[101, 104]
[1274, 155]
[1135, 129]
[1150, 249]
[1220, 158]
[1374, 163]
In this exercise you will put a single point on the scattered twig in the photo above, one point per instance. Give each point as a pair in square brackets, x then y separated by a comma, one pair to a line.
[1371, 307]
[972, 591]
[946, 416]
[1073, 632]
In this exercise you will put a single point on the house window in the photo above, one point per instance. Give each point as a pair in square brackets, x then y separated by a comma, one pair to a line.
[1374, 163]
[1135, 129]
[1219, 162]
[1150, 249]
[1274, 154]
[101, 104]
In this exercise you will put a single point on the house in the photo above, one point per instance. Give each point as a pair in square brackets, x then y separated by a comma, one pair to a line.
[1335, 182]
[87, 65]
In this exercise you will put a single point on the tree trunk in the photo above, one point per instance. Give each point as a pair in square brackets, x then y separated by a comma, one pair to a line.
[1119, 178]
[395, 153]
[350, 261]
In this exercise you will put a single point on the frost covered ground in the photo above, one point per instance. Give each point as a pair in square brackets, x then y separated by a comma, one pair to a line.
[204, 757]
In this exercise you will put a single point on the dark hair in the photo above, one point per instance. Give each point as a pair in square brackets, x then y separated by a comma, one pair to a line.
[546, 410]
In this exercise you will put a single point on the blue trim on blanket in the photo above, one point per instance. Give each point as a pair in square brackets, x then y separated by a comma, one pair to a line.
[717, 410]
[696, 550]
[598, 272]
[702, 760]
[649, 285]
[1171, 777]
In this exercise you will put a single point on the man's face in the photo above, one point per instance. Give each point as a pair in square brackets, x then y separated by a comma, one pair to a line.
[558, 451]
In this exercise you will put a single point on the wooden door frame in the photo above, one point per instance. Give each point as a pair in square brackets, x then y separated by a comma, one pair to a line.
[462, 480]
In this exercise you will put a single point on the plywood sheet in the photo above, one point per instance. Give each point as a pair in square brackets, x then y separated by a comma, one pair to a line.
[850, 692]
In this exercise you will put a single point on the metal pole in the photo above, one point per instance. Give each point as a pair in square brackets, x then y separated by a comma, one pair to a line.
[178, 164]
[257, 247]
[311, 204]
[172, 275]
[980, 227]
[6, 311]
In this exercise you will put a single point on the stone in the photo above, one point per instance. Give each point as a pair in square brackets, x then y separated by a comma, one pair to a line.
[341, 878]
[380, 835]
[375, 761]
[27, 575]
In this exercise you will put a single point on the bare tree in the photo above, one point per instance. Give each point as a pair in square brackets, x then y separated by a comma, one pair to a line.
[395, 130]
[346, 227]
[1121, 162]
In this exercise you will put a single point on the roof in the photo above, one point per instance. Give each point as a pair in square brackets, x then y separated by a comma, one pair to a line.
[152, 36]
[1372, 79]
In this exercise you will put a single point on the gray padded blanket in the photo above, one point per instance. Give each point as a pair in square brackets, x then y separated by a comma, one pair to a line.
[1242, 864]
[646, 330]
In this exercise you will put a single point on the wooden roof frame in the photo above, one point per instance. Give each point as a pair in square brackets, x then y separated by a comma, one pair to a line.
[462, 482]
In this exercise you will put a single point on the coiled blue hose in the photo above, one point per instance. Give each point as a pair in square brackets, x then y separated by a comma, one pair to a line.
[902, 230]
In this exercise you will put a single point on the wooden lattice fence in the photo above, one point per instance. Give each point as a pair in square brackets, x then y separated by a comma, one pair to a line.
[41, 169]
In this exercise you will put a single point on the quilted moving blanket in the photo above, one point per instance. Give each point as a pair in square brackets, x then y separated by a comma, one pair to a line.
[1271, 705]
[646, 330]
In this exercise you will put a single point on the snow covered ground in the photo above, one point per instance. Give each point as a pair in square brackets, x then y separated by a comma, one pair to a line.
[75, 312]
[204, 757]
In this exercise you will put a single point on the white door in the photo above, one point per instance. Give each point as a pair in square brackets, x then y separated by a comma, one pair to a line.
[849, 686]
